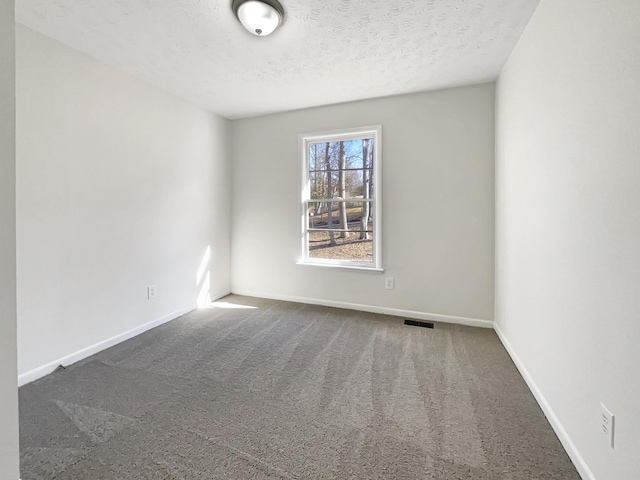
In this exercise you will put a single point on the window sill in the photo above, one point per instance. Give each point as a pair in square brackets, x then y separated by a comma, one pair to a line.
[347, 267]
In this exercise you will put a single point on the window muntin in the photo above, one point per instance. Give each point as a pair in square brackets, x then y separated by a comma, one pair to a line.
[341, 198]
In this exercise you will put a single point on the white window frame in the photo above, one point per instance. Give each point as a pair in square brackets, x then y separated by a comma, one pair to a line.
[305, 139]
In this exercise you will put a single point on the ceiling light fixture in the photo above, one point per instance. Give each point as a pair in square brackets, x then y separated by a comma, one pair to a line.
[260, 17]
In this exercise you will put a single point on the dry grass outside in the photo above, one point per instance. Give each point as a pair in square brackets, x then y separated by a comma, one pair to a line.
[353, 214]
[349, 248]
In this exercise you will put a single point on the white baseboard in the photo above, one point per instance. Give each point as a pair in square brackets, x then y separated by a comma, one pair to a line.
[434, 317]
[49, 367]
[575, 456]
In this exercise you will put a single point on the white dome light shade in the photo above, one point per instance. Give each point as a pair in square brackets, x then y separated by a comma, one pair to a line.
[259, 17]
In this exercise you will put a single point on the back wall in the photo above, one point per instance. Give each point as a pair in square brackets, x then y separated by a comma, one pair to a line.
[438, 213]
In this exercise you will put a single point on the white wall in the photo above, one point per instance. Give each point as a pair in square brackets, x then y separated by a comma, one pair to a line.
[120, 186]
[568, 222]
[8, 384]
[438, 204]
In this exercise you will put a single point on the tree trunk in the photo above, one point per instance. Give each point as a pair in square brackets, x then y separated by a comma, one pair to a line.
[343, 189]
[327, 159]
[317, 189]
[366, 190]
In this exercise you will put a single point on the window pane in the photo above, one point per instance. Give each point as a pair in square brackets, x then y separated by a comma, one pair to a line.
[338, 241]
[318, 185]
[355, 181]
[319, 214]
[331, 163]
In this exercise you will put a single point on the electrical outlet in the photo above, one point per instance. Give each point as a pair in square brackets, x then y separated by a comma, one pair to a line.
[389, 283]
[607, 424]
[152, 291]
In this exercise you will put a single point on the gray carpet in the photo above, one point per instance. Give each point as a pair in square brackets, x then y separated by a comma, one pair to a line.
[290, 391]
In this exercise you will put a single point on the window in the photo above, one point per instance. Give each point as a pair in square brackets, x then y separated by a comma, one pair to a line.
[341, 198]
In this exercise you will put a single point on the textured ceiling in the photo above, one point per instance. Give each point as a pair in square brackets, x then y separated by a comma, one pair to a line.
[326, 51]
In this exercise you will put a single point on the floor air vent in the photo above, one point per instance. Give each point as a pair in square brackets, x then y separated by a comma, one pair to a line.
[415, 323]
